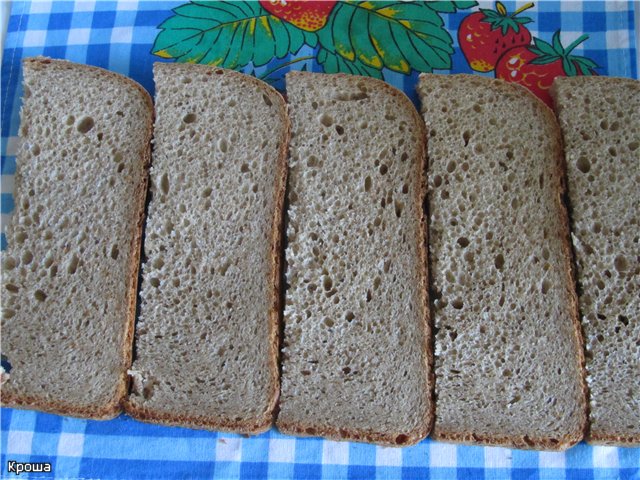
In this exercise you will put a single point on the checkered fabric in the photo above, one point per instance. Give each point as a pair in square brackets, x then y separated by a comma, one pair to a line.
[118, 35]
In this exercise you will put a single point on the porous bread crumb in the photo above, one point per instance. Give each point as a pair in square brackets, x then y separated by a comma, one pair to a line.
[507, 345]
[355, 353]
[600, 121]
[69, 273]
[206, 338]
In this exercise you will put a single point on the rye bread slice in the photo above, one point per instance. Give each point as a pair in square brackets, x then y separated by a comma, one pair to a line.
[70, 271]
[508, 350]
[207, 335]
[355, 362]
[600, 121]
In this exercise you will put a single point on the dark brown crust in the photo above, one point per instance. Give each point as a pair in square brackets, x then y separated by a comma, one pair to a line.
[525, 441]
[263, 423]
[112, 408]
[391, 438]
[598, 438]
[613, 440]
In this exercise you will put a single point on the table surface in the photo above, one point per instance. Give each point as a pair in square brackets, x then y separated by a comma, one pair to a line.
[120, 36]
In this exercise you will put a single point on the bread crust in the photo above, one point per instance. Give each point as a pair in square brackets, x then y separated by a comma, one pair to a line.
[113, 407]
[392, 438]
[571, 438]
[612, 439]
[264, 422]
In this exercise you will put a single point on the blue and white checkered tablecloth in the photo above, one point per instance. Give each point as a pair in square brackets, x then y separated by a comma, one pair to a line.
[119, 35]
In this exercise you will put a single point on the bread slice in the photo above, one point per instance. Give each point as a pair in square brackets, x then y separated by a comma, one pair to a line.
[600, 121]
[356, 351]
[508, 352]
[70, 271]
[207, 335]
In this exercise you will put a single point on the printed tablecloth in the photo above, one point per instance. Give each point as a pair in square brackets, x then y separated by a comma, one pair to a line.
[267, 39]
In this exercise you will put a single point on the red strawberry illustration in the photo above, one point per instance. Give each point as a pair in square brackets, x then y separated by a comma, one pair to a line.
[308, 15]
[536, 66]
[485, 35]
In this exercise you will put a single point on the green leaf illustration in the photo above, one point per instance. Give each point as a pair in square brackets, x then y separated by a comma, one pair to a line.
[400, 36]
[334, 63]
[227, 34]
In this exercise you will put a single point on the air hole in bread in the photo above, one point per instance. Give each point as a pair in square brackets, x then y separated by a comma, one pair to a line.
[73, 264]
[225, 266]
[620, 263]
[451, 166]
[367, 184]
[349, 316]
[633, 146]
[39, 295]
[399, 206]
[327, 283]
[613, 152]
[339, 129]
[457, 304]
[314, 105]
[328, 322]
[120, 167]
[326, 119]
[164, 184]
[189, 118]
[27, 257]
[8, 313]
[35, 150]
[368, 296]
[267, 101]
[466, 136]
[463, 242]
[223, 146]
[85, 124]
[437, 181]
[383, 169]
[545, 286]
[312, 161]
[346, 370]
[114, 252]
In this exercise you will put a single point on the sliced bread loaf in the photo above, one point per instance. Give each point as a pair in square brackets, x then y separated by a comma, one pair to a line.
[508, 353]
[600, 121]
[356, 337]
[70, 271]
[206, 342]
